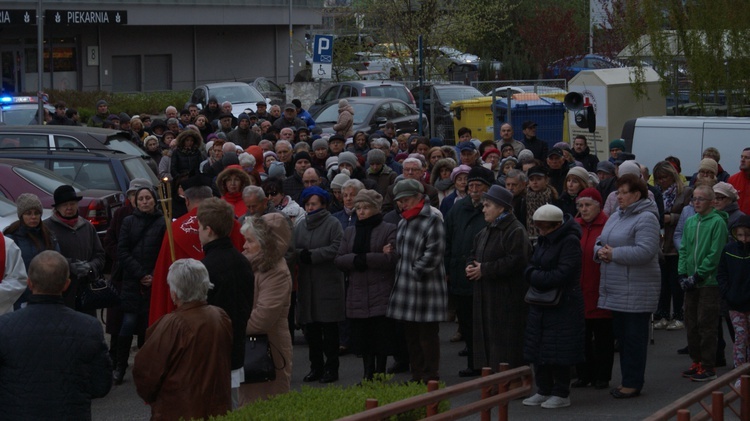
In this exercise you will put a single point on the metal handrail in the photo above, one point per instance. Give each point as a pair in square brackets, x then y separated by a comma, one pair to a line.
[497, 390]
[719, 401]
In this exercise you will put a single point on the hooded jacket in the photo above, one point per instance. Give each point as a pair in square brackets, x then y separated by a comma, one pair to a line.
[703, 240]
[734, 267]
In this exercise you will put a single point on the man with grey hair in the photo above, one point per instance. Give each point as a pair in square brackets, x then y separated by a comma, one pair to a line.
[413, 170]
[54, 359]
[192, 342]
[256, 202]
[516, 181]
[171, 112]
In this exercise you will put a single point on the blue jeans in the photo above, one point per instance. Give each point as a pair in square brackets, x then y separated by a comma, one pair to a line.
[129, 323]
[631, 329]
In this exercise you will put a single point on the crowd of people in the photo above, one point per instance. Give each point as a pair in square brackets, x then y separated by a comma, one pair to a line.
[367, 242]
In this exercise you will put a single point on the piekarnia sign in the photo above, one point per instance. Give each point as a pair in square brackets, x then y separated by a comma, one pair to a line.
[86, 17]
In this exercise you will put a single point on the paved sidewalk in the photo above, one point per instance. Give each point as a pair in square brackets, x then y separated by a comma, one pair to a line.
[663, 385]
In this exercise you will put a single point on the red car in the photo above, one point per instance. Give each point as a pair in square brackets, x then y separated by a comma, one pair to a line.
[18, 176]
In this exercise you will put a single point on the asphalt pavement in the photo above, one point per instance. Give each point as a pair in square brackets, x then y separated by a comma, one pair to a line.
[664, 384]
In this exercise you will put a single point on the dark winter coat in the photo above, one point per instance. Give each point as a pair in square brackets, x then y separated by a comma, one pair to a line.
[567, 203]
[53, 360]
[138, 247]
[385, 178]
[31, 242]
[732, 276]
[369, 290]
[79, 242]
[555, 335]
[320, 294]
[586, 158]
[185, 162]
[462, 224]
[233, 290]
[503, 249]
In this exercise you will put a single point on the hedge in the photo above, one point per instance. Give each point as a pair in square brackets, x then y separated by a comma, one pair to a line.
[332, 402]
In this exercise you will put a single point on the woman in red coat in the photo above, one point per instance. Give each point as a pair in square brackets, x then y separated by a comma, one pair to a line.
[599, 345]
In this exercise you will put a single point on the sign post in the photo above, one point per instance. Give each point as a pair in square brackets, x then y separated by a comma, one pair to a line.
[322, 57]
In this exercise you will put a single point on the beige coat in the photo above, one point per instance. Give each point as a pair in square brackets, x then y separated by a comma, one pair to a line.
[273, 288]
[345, 122]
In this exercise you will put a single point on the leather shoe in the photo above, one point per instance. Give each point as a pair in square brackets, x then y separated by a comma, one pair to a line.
[601, 384]
[312, 376]
[464, 352]
[469, 372]
[580, 383]
[398, 367]
[683, 351]
[329, 377]
[617, 393]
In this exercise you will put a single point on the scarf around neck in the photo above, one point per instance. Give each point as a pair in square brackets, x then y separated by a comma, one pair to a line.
[363, 233]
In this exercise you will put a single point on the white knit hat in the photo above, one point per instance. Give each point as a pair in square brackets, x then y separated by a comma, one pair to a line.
[550, 213]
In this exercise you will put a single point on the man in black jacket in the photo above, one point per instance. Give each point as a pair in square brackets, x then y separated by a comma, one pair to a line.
[54, 359]
[232, 276]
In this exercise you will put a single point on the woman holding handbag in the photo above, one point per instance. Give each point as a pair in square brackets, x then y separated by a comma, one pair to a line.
[266, 240]
[555, 328]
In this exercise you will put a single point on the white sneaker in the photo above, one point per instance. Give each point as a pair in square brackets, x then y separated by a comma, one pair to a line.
[661, 324]
[675, 325]
[556, 402]
[536, 400]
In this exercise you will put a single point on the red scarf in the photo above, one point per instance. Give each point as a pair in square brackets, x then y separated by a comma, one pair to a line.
[409, 214]
[69, 221]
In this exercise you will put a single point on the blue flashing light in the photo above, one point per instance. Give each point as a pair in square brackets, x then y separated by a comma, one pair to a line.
[6, 99]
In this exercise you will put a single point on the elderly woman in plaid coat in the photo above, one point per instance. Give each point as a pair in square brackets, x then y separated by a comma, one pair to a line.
[419, 295]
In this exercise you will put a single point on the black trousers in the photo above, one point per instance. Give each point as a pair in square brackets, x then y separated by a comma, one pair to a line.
[464, 312]
[423, 343]
[552, 379]
[323, 339]
[600, 351]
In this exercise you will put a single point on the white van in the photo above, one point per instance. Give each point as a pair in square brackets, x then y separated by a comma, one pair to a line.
[651, 139]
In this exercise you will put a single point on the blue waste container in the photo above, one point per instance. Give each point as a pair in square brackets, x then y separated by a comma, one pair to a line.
[547, 113]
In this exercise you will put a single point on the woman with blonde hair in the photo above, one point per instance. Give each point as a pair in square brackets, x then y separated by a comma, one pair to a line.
[266, 240]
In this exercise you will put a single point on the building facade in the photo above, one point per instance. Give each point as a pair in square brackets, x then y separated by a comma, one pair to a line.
[142, 46]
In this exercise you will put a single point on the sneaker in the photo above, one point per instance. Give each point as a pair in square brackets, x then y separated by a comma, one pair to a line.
[675, 325]
[694, 369]
[661, 324]
[537, 400]
[704, 376]
[556, 402]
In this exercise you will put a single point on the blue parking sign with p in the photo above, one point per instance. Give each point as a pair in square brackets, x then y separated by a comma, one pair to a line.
[322, 56]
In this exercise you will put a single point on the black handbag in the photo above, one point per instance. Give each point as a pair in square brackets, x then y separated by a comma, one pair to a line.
[98, 294]
[548, 298]
[259, 366]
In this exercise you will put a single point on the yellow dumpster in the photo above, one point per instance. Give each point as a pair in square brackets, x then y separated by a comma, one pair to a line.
[476, 114]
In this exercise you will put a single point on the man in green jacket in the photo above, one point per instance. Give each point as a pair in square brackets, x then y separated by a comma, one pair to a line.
[703, 240]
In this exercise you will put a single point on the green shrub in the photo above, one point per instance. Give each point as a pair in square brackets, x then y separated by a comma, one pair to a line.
[332, 402]
[152, 103]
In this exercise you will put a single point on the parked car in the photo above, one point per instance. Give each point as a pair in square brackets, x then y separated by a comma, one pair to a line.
[438, 98]
[275, 94]
[19, 176]
[71, 138]
[363, 88]
[240, 94]
[105, 170]
[545, 91]
[20, 110]
[568, 67]
[371, 114]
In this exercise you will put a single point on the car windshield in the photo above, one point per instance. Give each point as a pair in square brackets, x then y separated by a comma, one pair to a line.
[136, 168]
[236, 94]
[330, 114]
[124, 145]
[19, 116]
[447, 96]
[44, 179]
[7, 207]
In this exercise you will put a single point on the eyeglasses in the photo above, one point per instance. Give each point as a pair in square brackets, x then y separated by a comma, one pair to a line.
[699, 200]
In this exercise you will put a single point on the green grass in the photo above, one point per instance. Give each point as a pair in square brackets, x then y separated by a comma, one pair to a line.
[152, 103]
